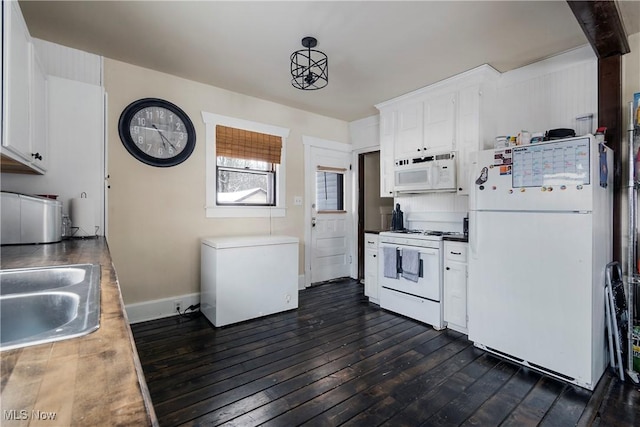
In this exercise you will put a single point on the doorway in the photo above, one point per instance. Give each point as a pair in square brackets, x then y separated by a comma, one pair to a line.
[374, 212]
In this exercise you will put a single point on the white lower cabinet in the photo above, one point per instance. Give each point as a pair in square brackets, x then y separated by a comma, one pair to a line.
[455, 285]
[371, 288]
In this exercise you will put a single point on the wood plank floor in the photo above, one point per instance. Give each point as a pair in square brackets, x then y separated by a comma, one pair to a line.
[339, 360]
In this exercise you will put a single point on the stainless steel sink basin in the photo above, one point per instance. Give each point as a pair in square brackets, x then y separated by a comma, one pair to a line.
[45, 304]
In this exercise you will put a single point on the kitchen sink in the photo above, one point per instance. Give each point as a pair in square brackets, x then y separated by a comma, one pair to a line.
[46, 304]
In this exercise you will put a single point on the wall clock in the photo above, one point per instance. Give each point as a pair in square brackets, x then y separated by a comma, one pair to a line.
[157, 132]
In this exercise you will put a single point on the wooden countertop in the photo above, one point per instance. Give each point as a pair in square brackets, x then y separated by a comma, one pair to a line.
[91, 380]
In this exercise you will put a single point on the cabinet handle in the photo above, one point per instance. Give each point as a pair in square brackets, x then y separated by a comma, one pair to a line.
[418, 149]
[447, 268]
[375, 256]
[370, 242]
[37, 156]
[456, 253]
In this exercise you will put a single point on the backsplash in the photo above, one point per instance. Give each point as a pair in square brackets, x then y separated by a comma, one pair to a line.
[433, 202]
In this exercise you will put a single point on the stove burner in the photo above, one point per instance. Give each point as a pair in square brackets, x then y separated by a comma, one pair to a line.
[440, 233]
[407, 231]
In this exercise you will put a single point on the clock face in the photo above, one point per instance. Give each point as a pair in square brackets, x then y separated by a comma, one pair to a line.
[157, 132]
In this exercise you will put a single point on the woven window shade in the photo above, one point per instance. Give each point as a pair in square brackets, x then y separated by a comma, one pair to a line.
[244, 144]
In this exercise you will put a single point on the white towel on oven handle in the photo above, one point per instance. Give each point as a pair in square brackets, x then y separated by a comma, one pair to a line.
[390, 260]
[410, 264]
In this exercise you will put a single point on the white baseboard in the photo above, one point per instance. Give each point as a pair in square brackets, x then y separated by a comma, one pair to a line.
[157, 309]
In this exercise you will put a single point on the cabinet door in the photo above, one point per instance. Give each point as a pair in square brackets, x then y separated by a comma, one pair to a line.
[439, 122]
[468, 132]
[387, 141]
[455, 295]
[16, 80]
[410, 129]
[39, 134]
[371, 274]
[371, 266]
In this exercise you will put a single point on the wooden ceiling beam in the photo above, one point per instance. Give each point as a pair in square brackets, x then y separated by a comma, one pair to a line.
[602, 24]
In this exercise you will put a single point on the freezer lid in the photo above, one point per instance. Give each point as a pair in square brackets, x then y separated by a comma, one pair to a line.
[245, 241]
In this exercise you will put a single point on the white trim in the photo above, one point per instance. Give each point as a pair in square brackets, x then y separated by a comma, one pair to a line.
[217, 119]
[157, 309]
[482, 71]
[161, 308]
[325, 143]
[549, 65]
[214, 211]
[308, 142]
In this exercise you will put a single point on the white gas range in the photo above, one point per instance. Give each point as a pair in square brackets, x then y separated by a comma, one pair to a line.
[410, 274]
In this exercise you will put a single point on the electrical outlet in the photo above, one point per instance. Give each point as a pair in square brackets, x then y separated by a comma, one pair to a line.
[297, 200]
[177, 305]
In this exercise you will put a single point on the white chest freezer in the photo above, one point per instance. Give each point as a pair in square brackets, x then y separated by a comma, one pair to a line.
[246, 277]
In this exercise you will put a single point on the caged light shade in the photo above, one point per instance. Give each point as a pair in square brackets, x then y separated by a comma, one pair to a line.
[309, 67]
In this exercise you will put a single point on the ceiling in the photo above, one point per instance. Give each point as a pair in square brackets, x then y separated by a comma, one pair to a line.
[377, 50]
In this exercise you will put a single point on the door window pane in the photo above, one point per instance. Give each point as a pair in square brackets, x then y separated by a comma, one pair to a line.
[329, 191]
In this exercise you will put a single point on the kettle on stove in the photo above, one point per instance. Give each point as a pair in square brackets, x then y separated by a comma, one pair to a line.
[397, 220]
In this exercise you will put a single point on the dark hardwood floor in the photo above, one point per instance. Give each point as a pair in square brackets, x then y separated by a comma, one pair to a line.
[339, 360]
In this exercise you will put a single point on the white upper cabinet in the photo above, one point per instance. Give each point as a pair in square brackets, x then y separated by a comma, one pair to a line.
[39, 118]
[23, 92]
[410, 132]
[455, 114]
[387, 143]
[439, 122]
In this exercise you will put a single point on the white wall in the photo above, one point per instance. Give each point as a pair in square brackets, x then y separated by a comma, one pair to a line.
[157, 215]
[548, 94]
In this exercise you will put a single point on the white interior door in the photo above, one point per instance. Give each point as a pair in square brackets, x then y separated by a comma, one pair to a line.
[329, 189]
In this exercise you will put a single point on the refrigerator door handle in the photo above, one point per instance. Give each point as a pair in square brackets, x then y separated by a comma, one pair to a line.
[473, 233]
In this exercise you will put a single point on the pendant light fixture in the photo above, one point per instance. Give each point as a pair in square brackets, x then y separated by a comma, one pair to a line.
[309, 67]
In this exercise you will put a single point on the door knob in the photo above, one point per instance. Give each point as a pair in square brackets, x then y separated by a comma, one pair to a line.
[313, 222]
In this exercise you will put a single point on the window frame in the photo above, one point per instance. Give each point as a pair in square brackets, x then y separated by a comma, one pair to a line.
[215, 210]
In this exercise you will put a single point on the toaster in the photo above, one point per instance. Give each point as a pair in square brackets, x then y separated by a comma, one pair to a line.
[29, 219]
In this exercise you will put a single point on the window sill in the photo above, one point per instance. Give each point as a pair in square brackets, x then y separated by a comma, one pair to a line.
[245, 212]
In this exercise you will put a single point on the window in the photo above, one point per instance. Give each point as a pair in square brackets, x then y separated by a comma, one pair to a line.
[245, 168]
[329, 191]
[246, 165]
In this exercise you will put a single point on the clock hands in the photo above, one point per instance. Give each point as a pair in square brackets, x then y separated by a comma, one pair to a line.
[164, 138]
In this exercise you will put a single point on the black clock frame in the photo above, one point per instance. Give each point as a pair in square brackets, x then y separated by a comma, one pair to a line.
[124, 124]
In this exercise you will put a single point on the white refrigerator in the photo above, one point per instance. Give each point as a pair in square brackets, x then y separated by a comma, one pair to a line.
[540, 237]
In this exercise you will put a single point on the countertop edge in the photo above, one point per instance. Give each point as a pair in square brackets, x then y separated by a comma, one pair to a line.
[142, 382]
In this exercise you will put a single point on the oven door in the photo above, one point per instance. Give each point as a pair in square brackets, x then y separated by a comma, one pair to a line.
[429, 280]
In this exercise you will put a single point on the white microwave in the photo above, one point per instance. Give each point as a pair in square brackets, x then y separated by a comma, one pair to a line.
[435, 172]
